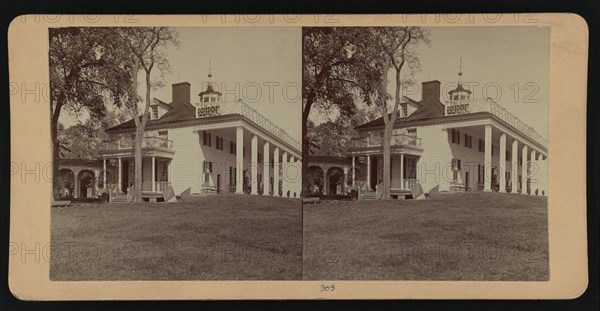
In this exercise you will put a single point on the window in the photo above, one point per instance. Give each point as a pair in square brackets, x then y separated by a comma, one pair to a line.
[260, 160]
[479, 173]
[205, 99]
[481, 146]
[154, 112]
[231, 147]
[412, 132]
[455, 136]
[219, 142]
[208, 169]
[508, 156]
[163, 171]
[404, 110]
[469, 141]
[456, 165]
[206, 138]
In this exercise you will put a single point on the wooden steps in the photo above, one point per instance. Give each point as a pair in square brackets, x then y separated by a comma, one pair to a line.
[118, 198]
[369, 195]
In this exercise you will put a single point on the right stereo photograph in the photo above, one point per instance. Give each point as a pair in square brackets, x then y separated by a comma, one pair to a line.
[425, 153]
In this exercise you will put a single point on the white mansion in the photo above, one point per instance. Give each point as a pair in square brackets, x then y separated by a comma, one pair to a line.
[460, 145]
[211, 146]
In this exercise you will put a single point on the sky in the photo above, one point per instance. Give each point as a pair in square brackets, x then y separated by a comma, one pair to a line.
[508, 63]
[260, 65]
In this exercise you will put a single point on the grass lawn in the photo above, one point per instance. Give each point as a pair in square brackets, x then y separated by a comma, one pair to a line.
[462, 236]
[228, 237]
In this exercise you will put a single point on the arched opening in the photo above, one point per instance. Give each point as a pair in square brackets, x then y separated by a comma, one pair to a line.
[335, 178]
[86, 181]
[66, 183]
[315, 180]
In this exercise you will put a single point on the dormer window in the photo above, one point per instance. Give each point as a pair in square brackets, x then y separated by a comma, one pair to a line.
[405, 110]
[154, 114]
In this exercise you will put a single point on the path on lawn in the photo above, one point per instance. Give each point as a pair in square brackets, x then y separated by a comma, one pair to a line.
[463, 236]
[228, 237]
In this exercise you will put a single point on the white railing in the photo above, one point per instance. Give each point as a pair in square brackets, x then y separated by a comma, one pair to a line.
[496, 109]
[147, 141]
[375, 140]
[409, 183]
[247, 111]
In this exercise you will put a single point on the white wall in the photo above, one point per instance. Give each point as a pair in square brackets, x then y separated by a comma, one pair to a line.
[434, 167]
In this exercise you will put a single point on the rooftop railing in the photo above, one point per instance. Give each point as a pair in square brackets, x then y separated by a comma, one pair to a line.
[239, 107]
[496, 109]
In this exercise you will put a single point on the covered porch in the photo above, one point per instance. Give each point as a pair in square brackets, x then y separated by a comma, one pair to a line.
[157, 154]
[405, 153]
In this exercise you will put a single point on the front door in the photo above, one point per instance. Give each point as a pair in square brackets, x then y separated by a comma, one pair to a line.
[125, 177]
[466, 181]
[373, 172]
[218, 183]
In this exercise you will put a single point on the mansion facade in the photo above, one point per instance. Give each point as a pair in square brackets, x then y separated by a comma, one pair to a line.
[211, 146]
[461, 144]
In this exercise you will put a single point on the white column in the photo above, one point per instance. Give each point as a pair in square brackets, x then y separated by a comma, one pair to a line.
[325, 180]
[514, 171]
[524, 170]
[487, 162]
[119, 186]
[254, 165]
[104, 174]
[284, 187]
[239, 154]
[531, 182]
[153, 173]
[369, 172]
[291, 181]
[540, 174]
[345, 180]
[502, 170]
[266, 169]
[353, 171]
[545, 174]
[276, 166]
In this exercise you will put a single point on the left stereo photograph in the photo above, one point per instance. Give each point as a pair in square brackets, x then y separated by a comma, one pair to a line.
[176, 153]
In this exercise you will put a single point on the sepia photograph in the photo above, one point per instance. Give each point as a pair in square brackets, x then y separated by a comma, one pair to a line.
[426, 153]
[319, 157]
[176, 153]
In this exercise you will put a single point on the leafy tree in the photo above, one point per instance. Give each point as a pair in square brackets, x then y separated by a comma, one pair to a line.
[398, 44]
[82, 141]
[147, 46]
[338, 62]
[85, 66]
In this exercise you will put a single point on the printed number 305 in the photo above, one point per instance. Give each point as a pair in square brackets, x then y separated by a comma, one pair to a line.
[328, 288]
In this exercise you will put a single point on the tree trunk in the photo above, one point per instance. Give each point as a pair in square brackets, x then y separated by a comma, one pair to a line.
[137, 194]
[387, 134]
[139, 137]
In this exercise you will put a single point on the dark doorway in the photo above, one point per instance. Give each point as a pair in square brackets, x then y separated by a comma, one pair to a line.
[125, 177]
[373, 173]
[467, 181]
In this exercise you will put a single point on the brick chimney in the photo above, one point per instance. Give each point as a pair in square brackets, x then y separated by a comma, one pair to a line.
[181, 92]
[431, 90]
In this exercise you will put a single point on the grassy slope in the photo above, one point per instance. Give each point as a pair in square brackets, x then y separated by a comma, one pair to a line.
[467, 236]
[221, 237]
